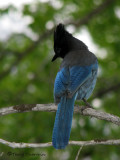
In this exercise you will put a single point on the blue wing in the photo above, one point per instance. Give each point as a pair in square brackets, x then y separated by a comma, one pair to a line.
[87, 87]
[61, 83]
[72, 79]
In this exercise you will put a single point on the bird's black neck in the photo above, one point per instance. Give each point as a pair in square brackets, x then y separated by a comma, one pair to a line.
[75, 44]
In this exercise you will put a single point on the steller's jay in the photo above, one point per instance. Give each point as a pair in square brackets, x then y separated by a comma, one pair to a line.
[75, 79]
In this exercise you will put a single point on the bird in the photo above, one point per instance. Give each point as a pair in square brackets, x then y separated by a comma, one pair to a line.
[75, 80]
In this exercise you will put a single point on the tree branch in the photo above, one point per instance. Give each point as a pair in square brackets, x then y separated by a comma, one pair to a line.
[92, 14]
[77, 156]
[52, 108]
[46, 34]
[22, 55]
[49, 144]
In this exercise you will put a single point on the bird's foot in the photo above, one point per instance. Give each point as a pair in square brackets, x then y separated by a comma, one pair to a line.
[83, 108]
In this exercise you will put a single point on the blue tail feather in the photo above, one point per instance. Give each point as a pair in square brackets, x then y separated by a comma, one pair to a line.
[63, 122]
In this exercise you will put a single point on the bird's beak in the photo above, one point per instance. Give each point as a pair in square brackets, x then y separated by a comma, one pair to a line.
[54, 58]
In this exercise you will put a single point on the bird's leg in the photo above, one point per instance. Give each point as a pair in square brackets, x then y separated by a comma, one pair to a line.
[87, 104]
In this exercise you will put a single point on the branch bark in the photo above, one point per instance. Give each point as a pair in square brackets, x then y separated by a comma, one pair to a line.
[49, 144]
[52, 108]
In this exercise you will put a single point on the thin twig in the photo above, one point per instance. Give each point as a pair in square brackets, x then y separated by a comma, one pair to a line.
[78, 153]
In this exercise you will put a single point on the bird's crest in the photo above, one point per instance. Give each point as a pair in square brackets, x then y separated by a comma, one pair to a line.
[59, 32]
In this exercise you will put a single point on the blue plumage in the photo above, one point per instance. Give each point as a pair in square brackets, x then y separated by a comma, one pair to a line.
[63, 121]
[75, 80]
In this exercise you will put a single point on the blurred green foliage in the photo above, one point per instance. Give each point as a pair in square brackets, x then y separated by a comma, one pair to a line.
[27, 77]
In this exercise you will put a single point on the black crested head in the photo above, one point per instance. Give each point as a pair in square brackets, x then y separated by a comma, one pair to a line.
[64, 42]
[60, 41]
